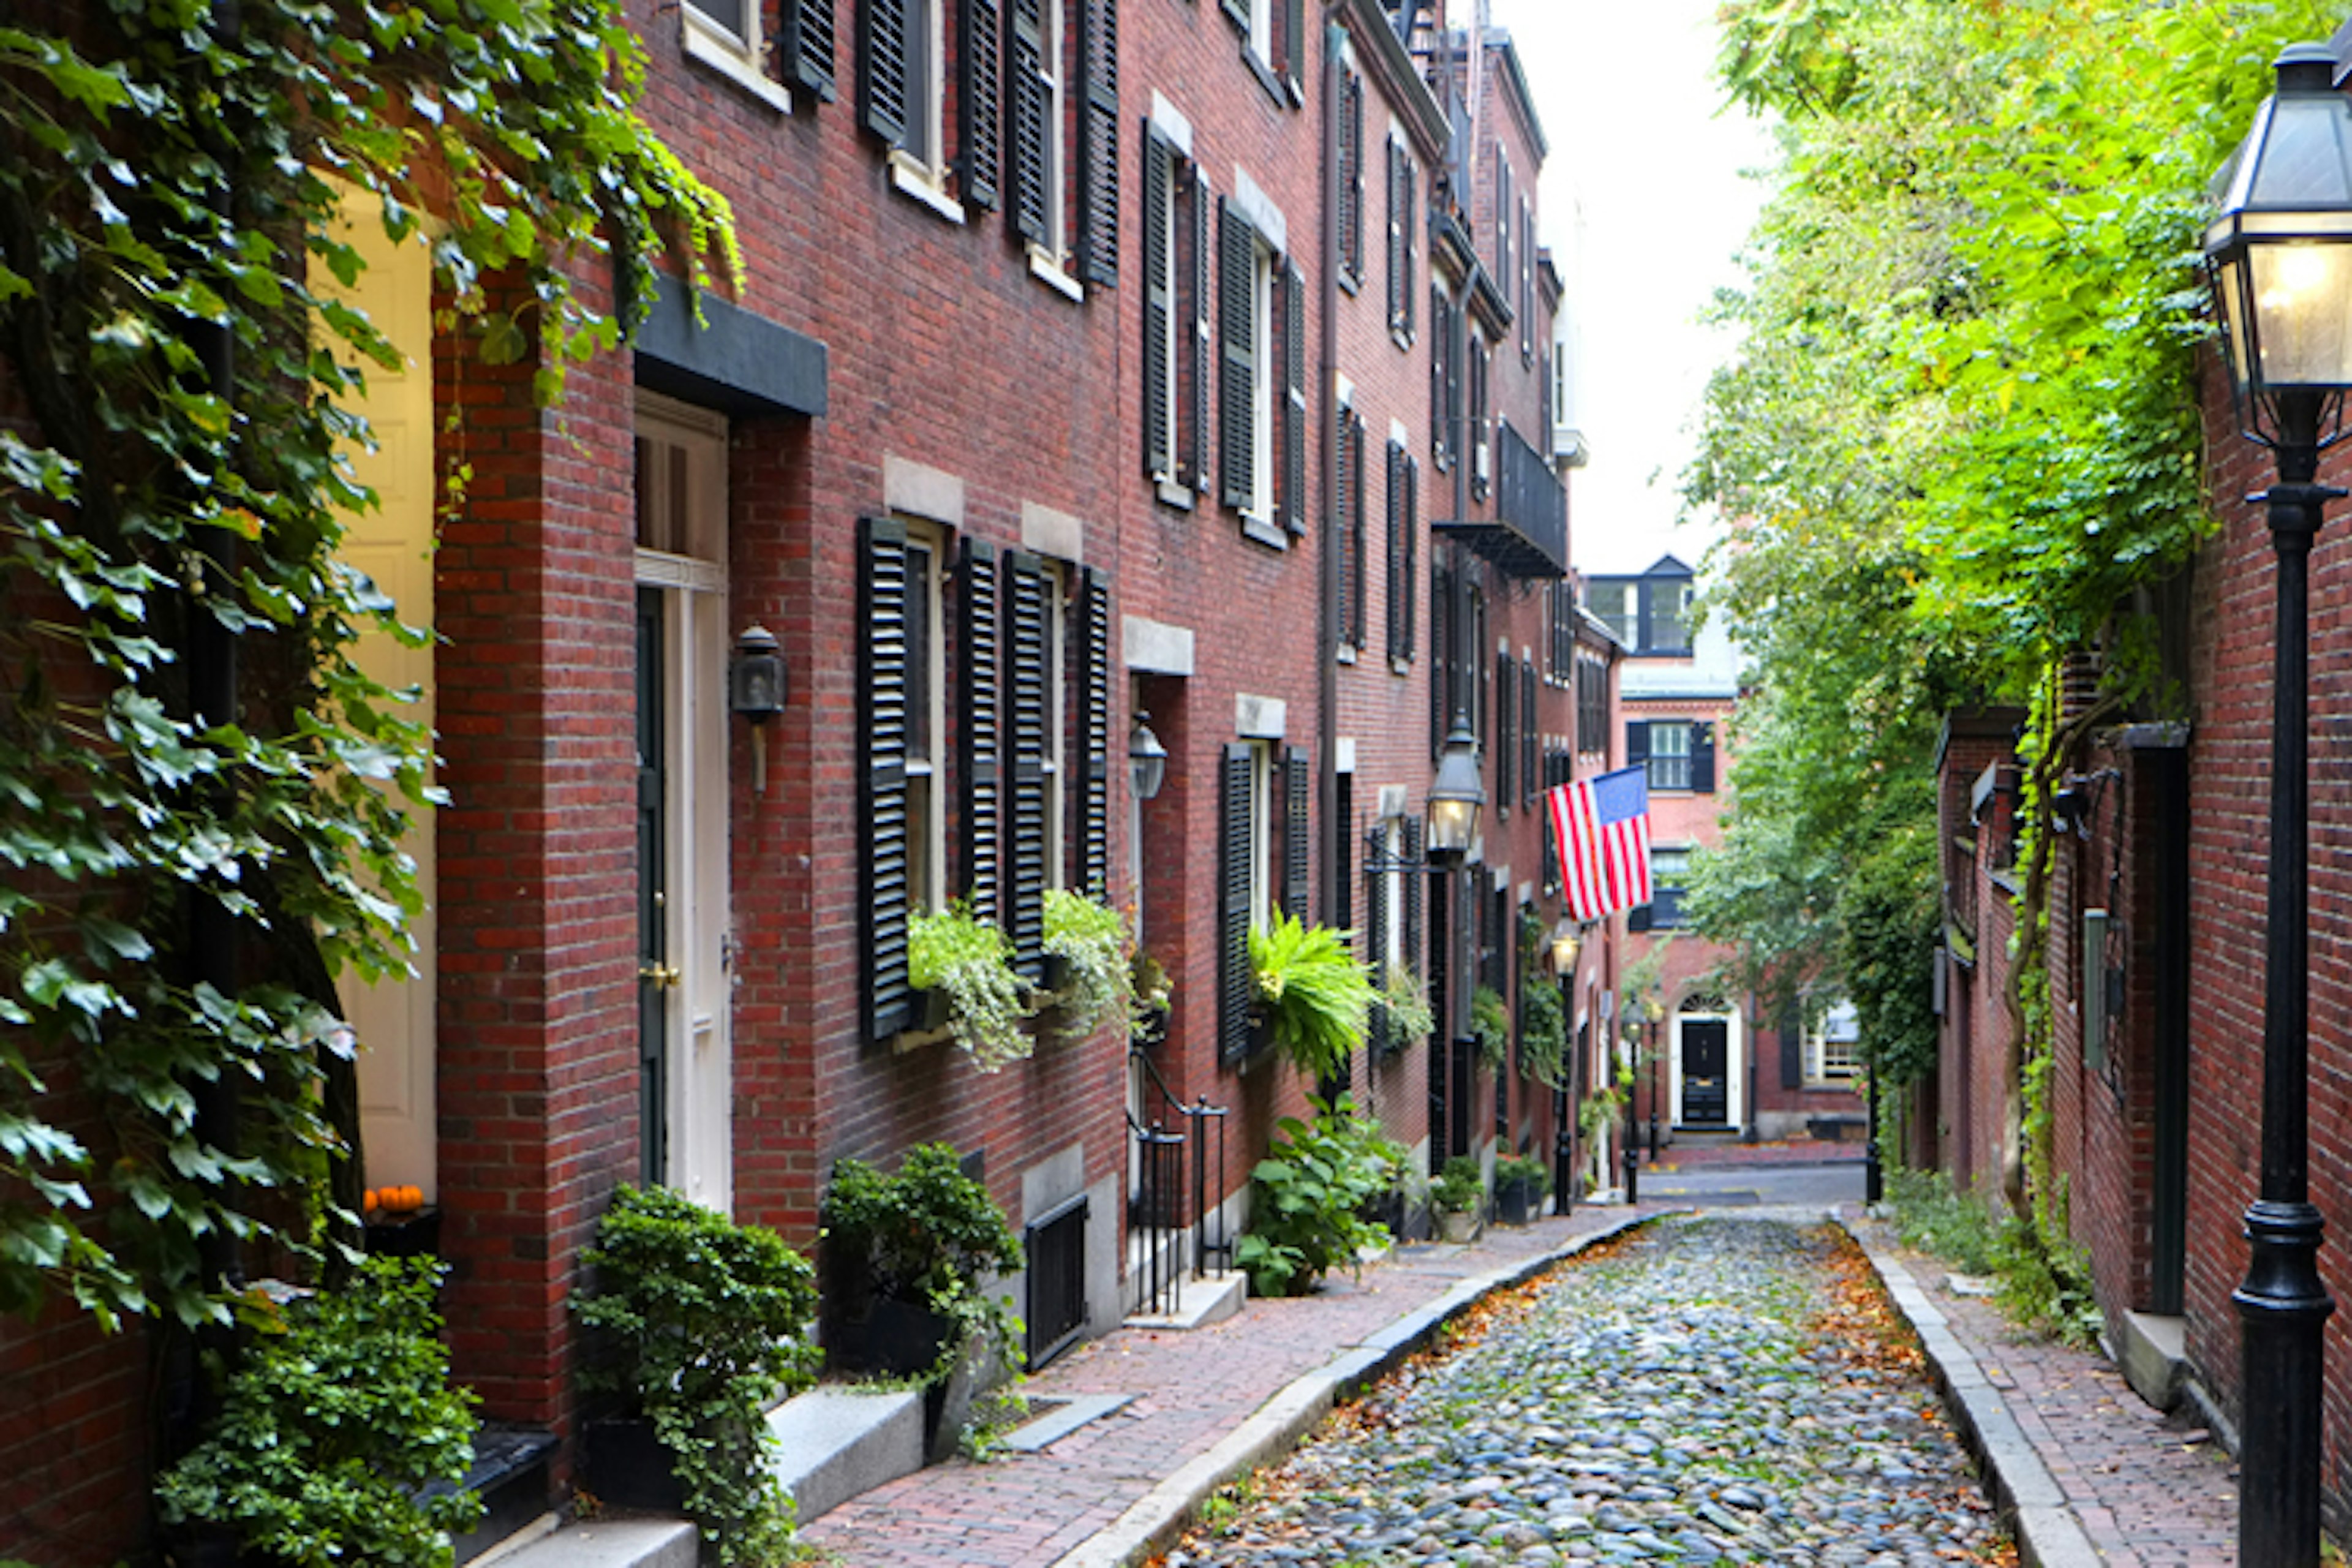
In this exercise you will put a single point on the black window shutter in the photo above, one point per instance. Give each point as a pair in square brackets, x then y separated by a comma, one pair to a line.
[1294, 46]
[1410, 223]
[1394, 516]
[1201, 353]
[1792, 1055]
[1637, 743]
[1506, 745]
[882, 68]
[1359, 463]
[1298, 789]
[882, 777]
[1412, 556]
[1094, 733]
[1235, 837]
[1236, 430]
[1526, 282]
[1027, 636]
[1440, 372]
[1638, 918]
[1530, 733]
[1159, 303]
[1702, 750]
[1441, 662]
[1375, 948]
[1294, 406]
[805, 38]
[979, 101]
[979, 732]
[1024, 86]
[1345, 484]
[1400, 283]
[1098, 143]
[1351, 175]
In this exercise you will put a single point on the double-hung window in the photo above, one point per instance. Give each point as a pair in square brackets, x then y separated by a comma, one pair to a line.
[1263, 841]
[1349, 440]
[1274, 35]
[1678, 752]
[1403, 224]
[1262, 428]
[728, 37]
[1669, 876]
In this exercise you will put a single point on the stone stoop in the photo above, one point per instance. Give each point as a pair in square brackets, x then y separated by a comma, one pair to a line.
[2152, 1350]
[599, 1543]
[836, 1443]
[1210, 1299]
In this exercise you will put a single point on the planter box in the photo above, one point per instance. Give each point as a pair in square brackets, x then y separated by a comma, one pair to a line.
[1458, 1226]
[890, 1339]
[1518, 1202]
[628, 1467]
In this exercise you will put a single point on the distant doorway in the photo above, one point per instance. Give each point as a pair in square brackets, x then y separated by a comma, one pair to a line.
[1705, 1072]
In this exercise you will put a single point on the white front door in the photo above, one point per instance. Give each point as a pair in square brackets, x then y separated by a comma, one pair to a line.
[682, 895]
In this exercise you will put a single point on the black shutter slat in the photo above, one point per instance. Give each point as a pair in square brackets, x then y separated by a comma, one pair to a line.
[1159, 303]
[1199, 352]
[882, 697]
[1238, 423]
[1294, 414]
[1094, 698]
[1028, 610]
[1024, 87]
[1235, 837]
[804, 37]
[1702, 750]
[1297, 788]
[1098, 143]
[980, 105]
[979, 732]
[882, 68]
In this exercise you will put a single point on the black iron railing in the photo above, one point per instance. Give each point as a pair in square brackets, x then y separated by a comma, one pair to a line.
[1175, 1214]
[1055, 1244]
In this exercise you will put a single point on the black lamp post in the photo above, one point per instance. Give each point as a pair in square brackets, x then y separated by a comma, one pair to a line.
[2280, 259]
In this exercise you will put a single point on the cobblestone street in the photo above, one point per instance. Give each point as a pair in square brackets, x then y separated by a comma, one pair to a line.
[1705, 1391]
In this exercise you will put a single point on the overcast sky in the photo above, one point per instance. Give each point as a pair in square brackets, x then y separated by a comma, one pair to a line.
[1644, 209]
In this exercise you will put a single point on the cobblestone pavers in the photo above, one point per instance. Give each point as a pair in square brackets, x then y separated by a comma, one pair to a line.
[1711, 1391]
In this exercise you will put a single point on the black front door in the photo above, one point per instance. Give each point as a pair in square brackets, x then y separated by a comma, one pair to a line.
[1707, 1084]
[653, 934]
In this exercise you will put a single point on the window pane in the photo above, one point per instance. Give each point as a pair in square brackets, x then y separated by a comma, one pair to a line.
[921, 653]
[1670, 761]
[728, 13]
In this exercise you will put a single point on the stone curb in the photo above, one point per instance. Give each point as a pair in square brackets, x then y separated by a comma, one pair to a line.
[1276, 1426]
[2022, 1489]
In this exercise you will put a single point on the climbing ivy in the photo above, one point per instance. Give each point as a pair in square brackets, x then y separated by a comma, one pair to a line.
[174, 399]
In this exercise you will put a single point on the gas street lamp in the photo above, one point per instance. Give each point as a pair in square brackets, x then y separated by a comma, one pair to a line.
[2279, 256]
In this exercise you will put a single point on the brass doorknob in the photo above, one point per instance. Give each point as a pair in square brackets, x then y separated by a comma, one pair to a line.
[664, 976]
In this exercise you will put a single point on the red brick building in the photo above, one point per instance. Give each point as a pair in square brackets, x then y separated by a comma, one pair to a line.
[1092, 361]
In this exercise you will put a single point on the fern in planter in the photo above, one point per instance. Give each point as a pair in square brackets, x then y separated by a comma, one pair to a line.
[1543, 1034]
[1090, 938]
[1490, 1026]
[711, 1319]
[970, 960]
[1405, 999]
[1313, 992]
[331, 1427]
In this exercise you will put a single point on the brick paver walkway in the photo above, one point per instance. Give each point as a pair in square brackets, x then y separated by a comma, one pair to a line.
[2151, 1492]
[1027, 1509]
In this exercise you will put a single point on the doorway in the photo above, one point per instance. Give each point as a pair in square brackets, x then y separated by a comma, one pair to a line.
[1705, 1072]
[685, 1065]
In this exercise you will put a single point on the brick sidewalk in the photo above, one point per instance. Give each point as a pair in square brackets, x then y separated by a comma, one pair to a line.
[2149, 1492]
[1026, 1510]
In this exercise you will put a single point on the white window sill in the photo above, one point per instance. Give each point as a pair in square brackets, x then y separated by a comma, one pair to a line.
[1048, 271]
[1345, 653]
[922, 183]
[1173, 494]
[724, 54]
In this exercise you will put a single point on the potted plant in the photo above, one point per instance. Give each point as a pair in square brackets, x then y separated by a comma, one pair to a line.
[1312, 995]
[1490, 1026]
[1308, 1195]
[907, 1261]
[1460, 1195]
[1521, 1183]
[340, 1439]
[1403, 1001]
[1149, 994]
[967, 962]
[1086, 943]
[709, 1321]
[1543, 1034]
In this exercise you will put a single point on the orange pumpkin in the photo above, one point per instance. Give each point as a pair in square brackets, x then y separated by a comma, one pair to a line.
[370, 1202]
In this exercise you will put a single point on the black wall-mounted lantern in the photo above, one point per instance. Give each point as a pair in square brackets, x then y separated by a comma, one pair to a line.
[2279, 254]
[1147, 758]
[1456, 795]
[755, 691]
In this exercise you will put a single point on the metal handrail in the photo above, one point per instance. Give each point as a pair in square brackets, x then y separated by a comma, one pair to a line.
[1208, 1218]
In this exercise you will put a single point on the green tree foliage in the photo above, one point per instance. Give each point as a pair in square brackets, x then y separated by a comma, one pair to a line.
[168, 179]
[1963, 431]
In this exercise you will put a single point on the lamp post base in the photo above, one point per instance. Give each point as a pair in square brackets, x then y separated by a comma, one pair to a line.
[2282, 1309]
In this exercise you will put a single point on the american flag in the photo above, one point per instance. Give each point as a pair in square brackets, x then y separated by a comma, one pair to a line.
[1602, 829]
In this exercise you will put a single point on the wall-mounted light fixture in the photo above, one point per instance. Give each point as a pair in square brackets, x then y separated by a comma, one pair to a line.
[1567, 938]
[1147, 758]
[755, 691]
[1456, 795]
